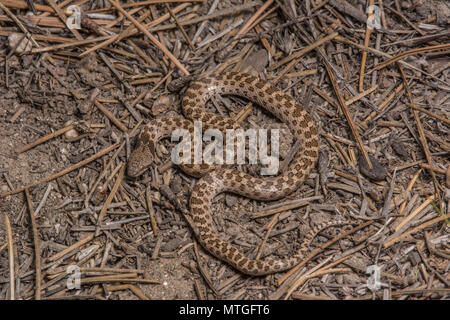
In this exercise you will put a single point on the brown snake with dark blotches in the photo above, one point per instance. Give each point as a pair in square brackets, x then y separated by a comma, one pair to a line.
[215, 180]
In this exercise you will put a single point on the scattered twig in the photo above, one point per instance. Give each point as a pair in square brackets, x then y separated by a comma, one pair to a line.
[138, 292]
[318, 250]
[413, 230]
[408, 53]
[107, 279]
[76, 245]
[203, 271]
[151, 37]
[37, 251]
[151, 211]
[63, 172]
[45, 138]
[431, 114]
[348, 116]
[420, 129]
[174, 17]
[111, 194]
[366, 44]
[11, 257]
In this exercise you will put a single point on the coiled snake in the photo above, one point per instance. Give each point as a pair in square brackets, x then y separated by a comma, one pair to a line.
[216, 179]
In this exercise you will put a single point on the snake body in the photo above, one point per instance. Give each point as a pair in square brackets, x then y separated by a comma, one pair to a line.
[215, 180]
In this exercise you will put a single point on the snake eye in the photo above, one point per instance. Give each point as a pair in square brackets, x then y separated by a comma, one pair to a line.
[141, 158]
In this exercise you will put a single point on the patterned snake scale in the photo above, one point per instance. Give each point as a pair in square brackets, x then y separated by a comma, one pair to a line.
[221, 178]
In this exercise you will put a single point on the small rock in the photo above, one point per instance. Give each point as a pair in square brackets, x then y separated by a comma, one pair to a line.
[230, 200]
[175, 184]
[400, 149]
[422, 10]
[74, 158]
[161, 104]
[351, 278]
[72, 133]
[170, 245]
[257, 61]
[405, 5]
[376, 195]
[377, 173]
[87, 64]
[99, 196]
[385, 83]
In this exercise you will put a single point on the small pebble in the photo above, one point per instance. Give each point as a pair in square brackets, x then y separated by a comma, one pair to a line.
[230, 200]
[400, 149]
[377, 173]
[405, 5]
[257, 61]
[71, 134]
[161, 104]
[175, 185]
[99, 196]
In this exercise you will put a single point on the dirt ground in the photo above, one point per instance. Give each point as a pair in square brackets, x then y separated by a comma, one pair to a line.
[42, 93]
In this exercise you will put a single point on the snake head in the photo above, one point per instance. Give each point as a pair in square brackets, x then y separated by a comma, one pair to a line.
[142, 156]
